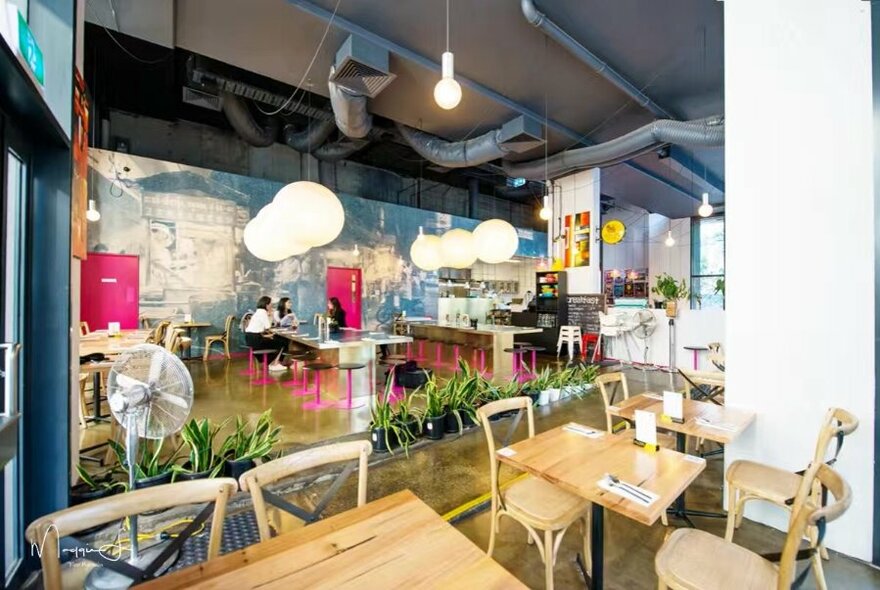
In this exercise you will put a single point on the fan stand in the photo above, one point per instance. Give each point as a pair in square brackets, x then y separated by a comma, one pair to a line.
[102, 578]
[671, 368]
[645, 365]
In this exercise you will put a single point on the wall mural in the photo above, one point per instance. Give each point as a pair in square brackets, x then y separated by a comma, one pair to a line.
[186, 225]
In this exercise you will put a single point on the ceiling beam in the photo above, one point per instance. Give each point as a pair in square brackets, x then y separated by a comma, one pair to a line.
[410, 55]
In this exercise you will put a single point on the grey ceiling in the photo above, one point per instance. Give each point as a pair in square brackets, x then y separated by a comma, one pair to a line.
[671, 49]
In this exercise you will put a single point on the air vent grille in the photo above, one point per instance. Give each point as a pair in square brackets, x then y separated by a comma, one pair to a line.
[361, 67]
[201, 99]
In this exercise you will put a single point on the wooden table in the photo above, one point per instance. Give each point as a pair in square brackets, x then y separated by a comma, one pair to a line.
[577, 464]
[394, 542]
[733, 420]
[103, 343]
[188, 327]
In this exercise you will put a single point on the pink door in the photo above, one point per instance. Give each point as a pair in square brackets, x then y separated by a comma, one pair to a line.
[345, 284]
[109, 291]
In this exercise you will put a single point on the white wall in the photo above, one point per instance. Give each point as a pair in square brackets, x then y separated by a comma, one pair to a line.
[799, 154]
[577, 193]
[632, 251]
[675, 260]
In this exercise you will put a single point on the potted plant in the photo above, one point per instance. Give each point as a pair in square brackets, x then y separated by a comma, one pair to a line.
[203, 462]
[540, 384]
[434, 416]
[582, 379]
[149, 469]
[387, 431]
[671, 291]
[461, 393]
[245, 445]
[408, 417]
[93, 488]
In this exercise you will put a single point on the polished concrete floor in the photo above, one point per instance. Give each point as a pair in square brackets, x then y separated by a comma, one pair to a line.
[453, 472]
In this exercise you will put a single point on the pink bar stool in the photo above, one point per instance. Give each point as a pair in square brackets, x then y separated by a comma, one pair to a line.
[317, 403]
[518, 371]
[296, 383]
[250, 370]
[347, 404]
[265, 378]
[534, 350]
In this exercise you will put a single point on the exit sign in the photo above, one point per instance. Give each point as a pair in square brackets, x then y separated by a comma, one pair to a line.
[30, 51]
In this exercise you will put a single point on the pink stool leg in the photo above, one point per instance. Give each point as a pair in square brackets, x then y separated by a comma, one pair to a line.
[439, 349]
[455, 356]
[265, 379]
[421, 356]
[317, 404]
[695, 360]
[347, 404]
[292, 382]
[534, 362]
[250, 369]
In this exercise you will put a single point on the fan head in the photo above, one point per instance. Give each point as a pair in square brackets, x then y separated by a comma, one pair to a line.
[644, 323]
[152, 385]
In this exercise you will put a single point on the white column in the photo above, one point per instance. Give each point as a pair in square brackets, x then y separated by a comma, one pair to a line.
[799, 207]
[577, 193]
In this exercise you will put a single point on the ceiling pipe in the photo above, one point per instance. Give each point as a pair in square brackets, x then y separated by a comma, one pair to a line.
[339, 150]
[310, 138]
[453, 154]
[540, 21]
[242, 121]
[350, 110]
[707, 132]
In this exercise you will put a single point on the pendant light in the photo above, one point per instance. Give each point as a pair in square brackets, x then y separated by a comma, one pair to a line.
[92, 213]
[546, 212]
[705, 209]
[669, 241]
[447, 92]
[355, 252]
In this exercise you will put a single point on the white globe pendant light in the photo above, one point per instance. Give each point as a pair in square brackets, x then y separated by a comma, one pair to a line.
[312, 214]
[705, 209]
[546, 212]
[447, 92]
[262, 244]
[457, 248]
[495, 241]
[425, 252]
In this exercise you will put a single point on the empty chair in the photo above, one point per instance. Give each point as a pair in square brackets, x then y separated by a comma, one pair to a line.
[692, 559]
[568, 335]
[254, 481]
[605, 382]
[750, 480]
[706, 386]
[53, 532]
[157, 334]
[223, 338]
[536, 504]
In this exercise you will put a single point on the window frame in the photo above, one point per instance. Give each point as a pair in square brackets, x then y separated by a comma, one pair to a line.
[695, 258]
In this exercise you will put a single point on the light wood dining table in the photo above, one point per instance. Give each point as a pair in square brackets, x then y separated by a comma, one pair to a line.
[578, 463]
[703, 420]
[395, 542]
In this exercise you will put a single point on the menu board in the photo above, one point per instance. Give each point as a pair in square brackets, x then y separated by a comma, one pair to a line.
[583, 310]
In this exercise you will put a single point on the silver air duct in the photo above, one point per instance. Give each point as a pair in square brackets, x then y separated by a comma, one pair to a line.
[350, 110]
[707, 132]
[339, 150]
[515, 136]
[242, 121]
[310, 138]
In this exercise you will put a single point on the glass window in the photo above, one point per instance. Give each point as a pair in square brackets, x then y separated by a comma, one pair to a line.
[707, 263]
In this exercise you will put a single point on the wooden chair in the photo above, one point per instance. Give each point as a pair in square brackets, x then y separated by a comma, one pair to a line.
[157, 334]
[606, 380]
[706, 386]
[716, 355]
[83, 412]
[84, 329]
[223, 338]
[254, 481]
[176, 342]
[52, 532]
[692, 559]
[536, 504]
[750, 480]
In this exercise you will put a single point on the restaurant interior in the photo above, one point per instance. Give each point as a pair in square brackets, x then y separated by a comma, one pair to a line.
[382, 294]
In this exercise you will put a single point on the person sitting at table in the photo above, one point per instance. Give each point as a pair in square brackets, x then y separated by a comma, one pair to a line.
[284, 316]
[336, 314]
[258, 337]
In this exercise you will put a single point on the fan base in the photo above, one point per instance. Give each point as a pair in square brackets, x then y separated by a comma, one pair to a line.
[102, 578]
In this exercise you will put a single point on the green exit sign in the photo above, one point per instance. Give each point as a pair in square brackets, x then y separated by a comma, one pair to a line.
[30, 51]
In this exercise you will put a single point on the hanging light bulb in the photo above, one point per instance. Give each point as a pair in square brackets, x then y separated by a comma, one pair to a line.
[421, 233]
[546, 212]
[670, 241]
[447, 92]
[705, 209]
[92, 213]
[356, 252]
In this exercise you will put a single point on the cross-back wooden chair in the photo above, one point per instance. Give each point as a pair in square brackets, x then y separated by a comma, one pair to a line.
[704, 386]
[157, 334]
[692, 559]
[716, 355]
[536, 504]
[750, 480]
[254, 481]
[606, 381]
[52, 533]
[223, 338]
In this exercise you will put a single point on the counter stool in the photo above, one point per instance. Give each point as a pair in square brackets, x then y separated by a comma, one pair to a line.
[534, 350]
[298, 385]
[420, 356]
[697, 350]
[347, 404]
[315, 404]
[518, 353]
[251, 370]
[265, 379]
[480, 353]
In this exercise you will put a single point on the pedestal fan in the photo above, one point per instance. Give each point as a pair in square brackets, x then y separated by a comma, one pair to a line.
[644, 323]
[150, 394]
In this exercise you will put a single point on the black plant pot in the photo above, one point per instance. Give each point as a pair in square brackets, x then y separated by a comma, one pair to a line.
[452, 423]
[414, 429]
[659, 304]
[381, 442]
[435, 427]
[80, 494]
[192, 475]
[155, 480]
[234, 468]
[532, 395]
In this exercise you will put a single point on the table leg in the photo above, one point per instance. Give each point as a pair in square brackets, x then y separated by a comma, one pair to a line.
[595, 579]
[695, 360]
[679, 509]
[96, 400]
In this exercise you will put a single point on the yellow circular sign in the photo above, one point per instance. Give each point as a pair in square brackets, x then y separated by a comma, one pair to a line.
[613, 231]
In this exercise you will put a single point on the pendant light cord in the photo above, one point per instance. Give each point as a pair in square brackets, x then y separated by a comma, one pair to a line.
[447, 26]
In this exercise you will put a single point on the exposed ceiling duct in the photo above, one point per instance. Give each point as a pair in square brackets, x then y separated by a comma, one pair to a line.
[340, 149]
[518, 135]
[310, 138]
[243, 122]
[708, 132]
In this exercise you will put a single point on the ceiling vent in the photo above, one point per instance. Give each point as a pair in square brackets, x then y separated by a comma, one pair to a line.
[362, 68]
[201, 99]
[521, 135]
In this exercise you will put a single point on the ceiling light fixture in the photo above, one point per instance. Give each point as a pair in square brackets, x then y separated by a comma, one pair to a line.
[546, 212]
[705, 209]
[356, 252]
[92, 213]
[669, 241]
[447, 92]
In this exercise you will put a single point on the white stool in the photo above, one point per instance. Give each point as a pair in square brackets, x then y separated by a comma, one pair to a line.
[568, 335]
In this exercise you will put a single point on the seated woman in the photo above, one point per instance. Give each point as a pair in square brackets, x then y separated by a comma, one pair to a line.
[284, 316]
[336, 314]
[258, 337]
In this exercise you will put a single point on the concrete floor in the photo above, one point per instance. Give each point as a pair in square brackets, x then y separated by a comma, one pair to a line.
[452, 472]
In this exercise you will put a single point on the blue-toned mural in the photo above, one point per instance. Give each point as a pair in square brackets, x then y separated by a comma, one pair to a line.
[186, 225]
